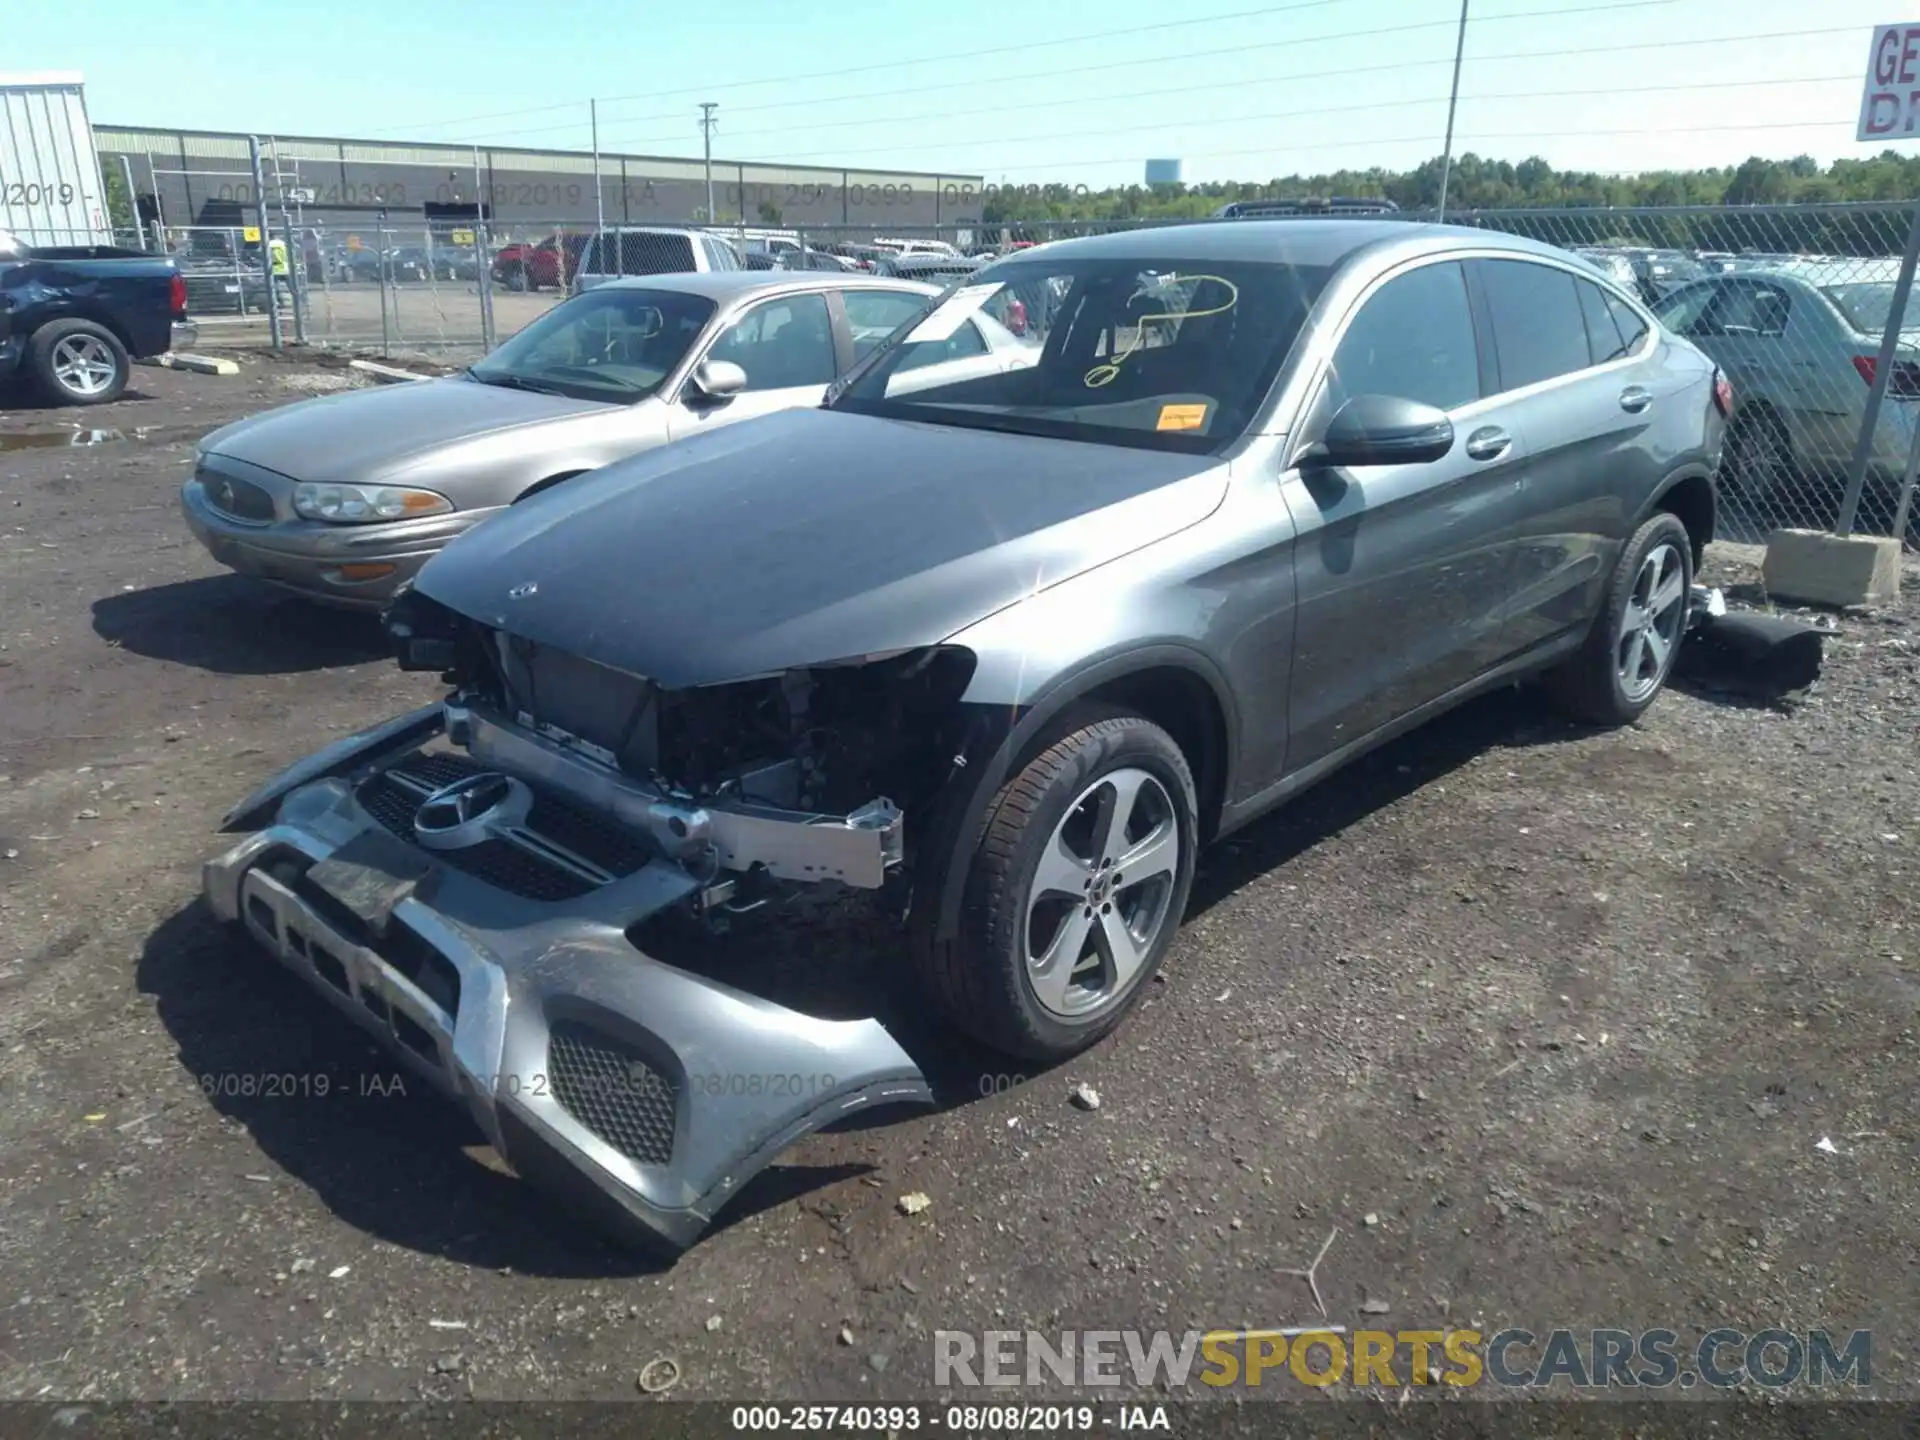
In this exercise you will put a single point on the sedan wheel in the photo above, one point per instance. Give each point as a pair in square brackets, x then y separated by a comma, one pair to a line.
[1098, 901]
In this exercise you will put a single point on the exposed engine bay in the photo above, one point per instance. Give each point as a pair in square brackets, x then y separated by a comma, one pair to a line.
[746, 776]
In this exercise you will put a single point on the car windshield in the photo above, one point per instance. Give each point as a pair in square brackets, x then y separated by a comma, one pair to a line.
[611, 343]
[1866, 305]
[1157, 354]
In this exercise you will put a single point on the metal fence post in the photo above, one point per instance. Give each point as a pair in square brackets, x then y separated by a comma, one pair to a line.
[1882, 375]
[386, 328]
[483, 248]
[1900, 510]
[266, 252]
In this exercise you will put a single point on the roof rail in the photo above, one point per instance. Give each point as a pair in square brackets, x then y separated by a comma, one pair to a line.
[1333, 205]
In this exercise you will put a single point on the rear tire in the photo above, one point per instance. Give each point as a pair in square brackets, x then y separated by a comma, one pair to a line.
[76, 362]
[1056, 942]
[1759, 463]
[1625, 661]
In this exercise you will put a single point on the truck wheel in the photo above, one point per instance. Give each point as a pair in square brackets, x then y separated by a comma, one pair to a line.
[1075, 890]
[516, 280]
[76, 362]
[1629, 653]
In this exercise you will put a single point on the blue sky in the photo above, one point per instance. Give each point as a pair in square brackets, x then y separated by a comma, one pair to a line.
[1072, 93]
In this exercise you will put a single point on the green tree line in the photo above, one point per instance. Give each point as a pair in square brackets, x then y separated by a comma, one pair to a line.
[1488, 186]
[1479, 183]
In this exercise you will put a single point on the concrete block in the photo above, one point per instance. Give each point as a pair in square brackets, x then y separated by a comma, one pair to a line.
[386, 374]
[201, 364]
[1813, 566]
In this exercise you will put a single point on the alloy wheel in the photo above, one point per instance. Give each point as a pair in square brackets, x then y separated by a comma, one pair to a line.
[83, 364]
[1099, 901]
[1650, 626]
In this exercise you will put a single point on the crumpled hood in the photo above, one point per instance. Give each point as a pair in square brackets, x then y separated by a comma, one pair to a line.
[809, 536]
[365, 435]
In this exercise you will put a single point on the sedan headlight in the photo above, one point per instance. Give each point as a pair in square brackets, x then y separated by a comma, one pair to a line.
[361, 504]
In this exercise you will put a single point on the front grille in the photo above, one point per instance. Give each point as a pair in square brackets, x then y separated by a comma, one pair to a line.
[392, 796]
[240, 499]
[605, 1084]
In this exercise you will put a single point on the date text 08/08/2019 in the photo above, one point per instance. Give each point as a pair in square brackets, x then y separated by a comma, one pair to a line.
[961, 1419]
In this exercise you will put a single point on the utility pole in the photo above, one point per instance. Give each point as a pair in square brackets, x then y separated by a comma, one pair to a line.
[599, 205]
[707, 122]
[1453, 103]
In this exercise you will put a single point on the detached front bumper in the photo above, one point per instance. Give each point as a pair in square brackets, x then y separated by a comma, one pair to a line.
[355, 567]
[643, 1094]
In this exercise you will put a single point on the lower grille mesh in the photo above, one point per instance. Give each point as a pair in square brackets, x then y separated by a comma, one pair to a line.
[603, 1082]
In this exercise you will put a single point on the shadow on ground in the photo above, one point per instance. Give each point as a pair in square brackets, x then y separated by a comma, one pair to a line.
[231, 625]
[398, 1162]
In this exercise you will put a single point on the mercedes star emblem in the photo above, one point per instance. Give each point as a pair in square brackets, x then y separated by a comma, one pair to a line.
[465, 812]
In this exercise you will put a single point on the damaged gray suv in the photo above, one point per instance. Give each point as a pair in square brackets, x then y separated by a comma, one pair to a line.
[1004, 646]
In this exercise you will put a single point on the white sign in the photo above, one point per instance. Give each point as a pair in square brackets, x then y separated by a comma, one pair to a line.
[1890, 104]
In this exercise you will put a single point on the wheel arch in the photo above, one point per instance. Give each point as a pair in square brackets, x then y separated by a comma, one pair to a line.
[1174, 685]
[1690, 495]
[548, 483]
[93, 315]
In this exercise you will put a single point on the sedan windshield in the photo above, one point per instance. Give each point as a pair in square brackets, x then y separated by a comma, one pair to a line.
[611, 343]
[1157, 354]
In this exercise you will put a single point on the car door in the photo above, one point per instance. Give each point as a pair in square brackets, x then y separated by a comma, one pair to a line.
[1587, 403]
[784, 344]
[1402, 572]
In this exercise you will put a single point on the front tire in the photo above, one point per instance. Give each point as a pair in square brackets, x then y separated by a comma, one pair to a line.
[1075, 890]
[1629, 653]
[76, 362]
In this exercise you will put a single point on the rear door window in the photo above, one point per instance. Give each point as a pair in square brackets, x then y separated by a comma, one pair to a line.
[872, 315]
[781, 344]
[651, 254]
[1539, 331]
[1413, 339]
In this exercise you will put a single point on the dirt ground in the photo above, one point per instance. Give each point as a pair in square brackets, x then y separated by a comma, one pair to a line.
[1547, 1024]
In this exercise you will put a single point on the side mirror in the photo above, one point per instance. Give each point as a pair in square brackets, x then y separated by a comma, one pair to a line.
[1383, 430]
[717, 380]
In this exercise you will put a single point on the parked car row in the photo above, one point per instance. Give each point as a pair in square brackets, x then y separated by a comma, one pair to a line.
[1800, 339]
[742, 582]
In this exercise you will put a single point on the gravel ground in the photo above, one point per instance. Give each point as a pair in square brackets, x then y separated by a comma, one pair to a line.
[1545, 1023]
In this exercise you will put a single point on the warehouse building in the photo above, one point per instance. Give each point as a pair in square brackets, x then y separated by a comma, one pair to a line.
[204, 178]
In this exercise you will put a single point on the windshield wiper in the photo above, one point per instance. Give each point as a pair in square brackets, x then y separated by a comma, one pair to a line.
[515, 382]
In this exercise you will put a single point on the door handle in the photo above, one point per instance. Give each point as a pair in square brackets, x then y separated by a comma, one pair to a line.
[1635, 398]
[1489, 443]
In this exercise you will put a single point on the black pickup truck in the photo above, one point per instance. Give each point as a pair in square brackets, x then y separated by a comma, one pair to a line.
[74, 319]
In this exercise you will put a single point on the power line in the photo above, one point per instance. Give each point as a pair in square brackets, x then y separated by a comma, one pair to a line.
[1375, 32]
[1371, 70]
[1239, 119]
[896, 64]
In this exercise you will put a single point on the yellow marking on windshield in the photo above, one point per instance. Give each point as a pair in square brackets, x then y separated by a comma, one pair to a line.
[1107, 373]
[1182, 417]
